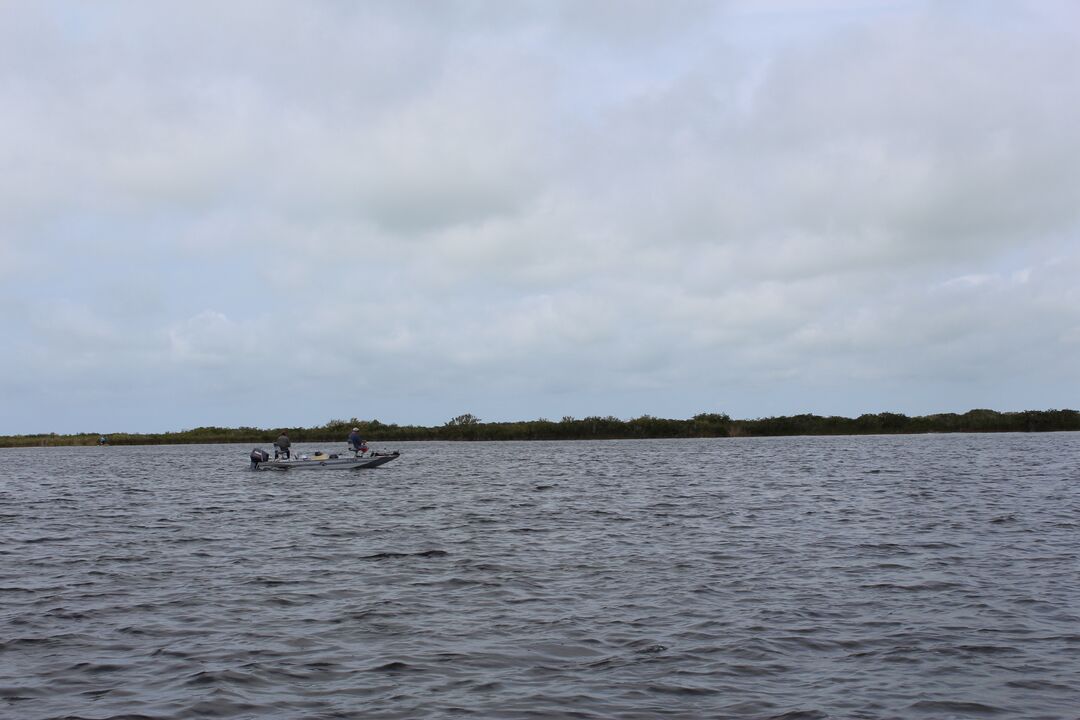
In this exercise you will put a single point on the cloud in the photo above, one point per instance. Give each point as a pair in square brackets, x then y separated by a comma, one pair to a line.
[605, 208]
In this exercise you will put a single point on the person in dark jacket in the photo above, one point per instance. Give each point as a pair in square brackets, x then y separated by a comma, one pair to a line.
[282, 445]
[356, 443]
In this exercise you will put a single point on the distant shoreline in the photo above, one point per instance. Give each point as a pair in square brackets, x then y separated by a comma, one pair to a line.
[705, 425]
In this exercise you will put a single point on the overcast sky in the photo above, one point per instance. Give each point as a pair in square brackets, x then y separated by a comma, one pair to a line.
[281, 213]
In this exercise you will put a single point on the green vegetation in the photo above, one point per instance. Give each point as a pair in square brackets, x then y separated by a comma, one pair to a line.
[470, 427]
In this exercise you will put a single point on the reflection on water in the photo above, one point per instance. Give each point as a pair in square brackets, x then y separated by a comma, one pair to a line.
[867, 577]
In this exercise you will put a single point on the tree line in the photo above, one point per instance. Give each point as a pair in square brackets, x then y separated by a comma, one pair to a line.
[705, 425]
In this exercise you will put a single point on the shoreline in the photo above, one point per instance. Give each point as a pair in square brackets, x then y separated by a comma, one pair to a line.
[705, 425]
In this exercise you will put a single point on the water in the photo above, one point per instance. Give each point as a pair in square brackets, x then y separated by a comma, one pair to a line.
[870, 577]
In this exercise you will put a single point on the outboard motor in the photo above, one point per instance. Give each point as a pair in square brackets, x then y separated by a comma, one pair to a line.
[258, 455]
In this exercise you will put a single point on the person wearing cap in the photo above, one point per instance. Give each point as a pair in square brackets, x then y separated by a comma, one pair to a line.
[356, 443]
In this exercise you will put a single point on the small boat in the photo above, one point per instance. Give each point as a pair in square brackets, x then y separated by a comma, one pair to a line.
[260, 460]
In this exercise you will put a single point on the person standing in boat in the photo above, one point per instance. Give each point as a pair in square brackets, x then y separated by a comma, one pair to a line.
[356, 443]
[282, 445]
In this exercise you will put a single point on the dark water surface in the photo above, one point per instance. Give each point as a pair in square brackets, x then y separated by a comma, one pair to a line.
[932, 576]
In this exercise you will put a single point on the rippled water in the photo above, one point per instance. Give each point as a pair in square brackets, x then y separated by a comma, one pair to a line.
[869, 577]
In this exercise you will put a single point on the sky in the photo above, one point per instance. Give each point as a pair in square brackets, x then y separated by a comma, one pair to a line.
[279, 213]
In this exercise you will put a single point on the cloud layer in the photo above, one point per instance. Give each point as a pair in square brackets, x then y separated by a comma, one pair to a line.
[281, 213]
